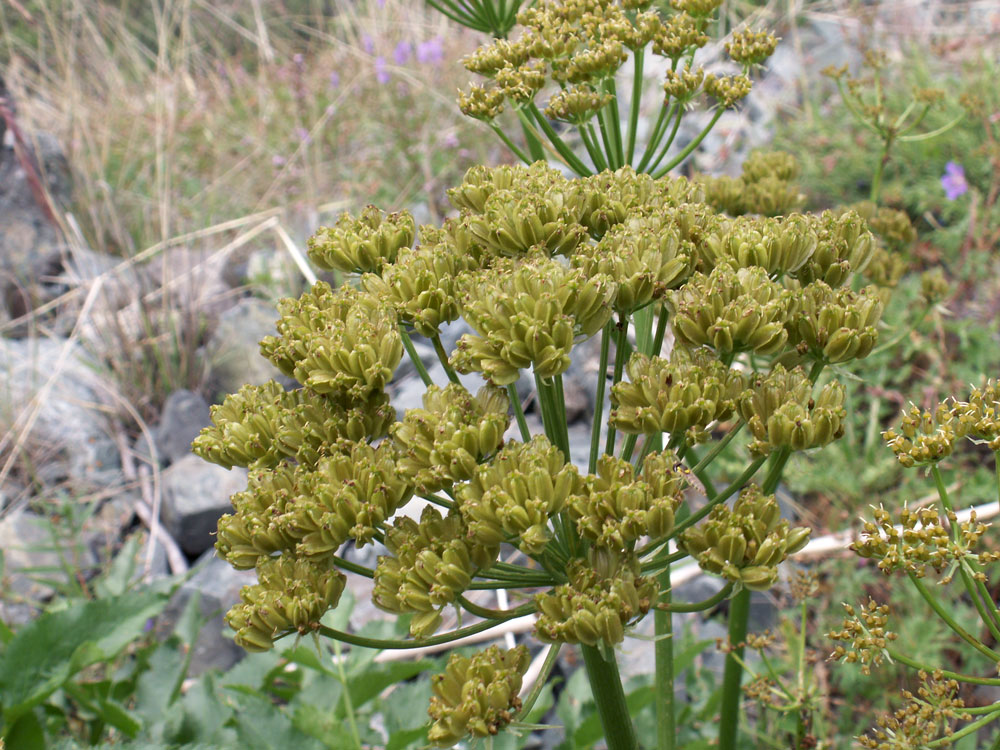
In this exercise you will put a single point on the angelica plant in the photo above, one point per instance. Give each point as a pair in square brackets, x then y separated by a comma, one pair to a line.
[561, 71]
[921, 544]
[537, 263]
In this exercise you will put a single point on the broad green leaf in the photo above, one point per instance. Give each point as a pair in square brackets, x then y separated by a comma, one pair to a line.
[155, 688]
[26, 734]
[50, 650]
[261, 725]
[121, 572]
[365, 687]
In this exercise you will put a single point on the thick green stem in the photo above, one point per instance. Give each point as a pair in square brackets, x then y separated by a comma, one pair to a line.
[609, 695]
[732, 676]
[914, 664]
[713, 601]
[663, 651]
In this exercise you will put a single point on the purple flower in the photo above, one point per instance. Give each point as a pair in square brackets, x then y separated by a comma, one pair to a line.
[402, 53]
[278, 160]
[953, 181]
[334, 81]
[303, 135]
[367, 43]
[430, 52]
[381, 74]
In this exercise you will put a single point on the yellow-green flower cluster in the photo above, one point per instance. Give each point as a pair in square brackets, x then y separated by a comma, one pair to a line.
[732, 310]
[746, 544]
[684, 394]
[591, 609]
[365, 243]
[344, 341]
[517, 493]
[616, 508]
[313, 511]
[845, 248]
[978, 417]
[923, 720]
[781, 412]
[779, 246]
[766, 186]
[529, 314]
[923, 437]
[431, 564]
[581, 44]
[444, 442]
[261, 425]
[750, 48]
[921, 541]
[645, 257]
[290, 595]
[420, 285]
[476, 695]
[835, 325]
[866, 634]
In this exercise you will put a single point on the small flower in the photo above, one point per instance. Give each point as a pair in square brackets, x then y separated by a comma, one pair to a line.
[431, 52]
[367, 43]
[303, 135]
[381, 74]
[953, 181]
[402, 52]
[334, 80]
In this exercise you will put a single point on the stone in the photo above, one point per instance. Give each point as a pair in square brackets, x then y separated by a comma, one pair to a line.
[185, 413]
[233, 350]
[217, 584]
[30, 241]
[38, 551]
[195, 495]
[69, 434]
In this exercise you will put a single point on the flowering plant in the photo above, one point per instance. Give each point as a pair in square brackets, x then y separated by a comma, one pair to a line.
[734, 321]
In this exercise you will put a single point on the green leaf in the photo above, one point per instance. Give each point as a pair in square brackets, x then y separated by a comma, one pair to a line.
[365, 687]
[121, 572]
[155, 688]
[260, 725]
[27, 733]
[50, 650]
[198, 716]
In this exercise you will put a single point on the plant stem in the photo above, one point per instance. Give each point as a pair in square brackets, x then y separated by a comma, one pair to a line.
[914, 664]
[691, 146]
[348, 705]
[633, 119]
[414, 357]
[602, 384]
[721, 497]
[522, 423]
[621, 347]
[663, 650]
[606, 685]
[941, 612]
[443, 357]
[543, 677]
[717, 598]
[732, 676]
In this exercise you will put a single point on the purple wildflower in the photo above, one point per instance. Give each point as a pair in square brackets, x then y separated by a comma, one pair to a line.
[334, 81]
[278, 160]
[381, 74]
[367, 43]
[303, 135]
[402, 53]
[953, 181]
[431, 52]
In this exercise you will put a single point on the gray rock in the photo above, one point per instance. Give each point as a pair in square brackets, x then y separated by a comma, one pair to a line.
[36, 552]
[217, 585]
[30, 241]
[233, 350]
[185, 413]
[195, 495]
[70, 430]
